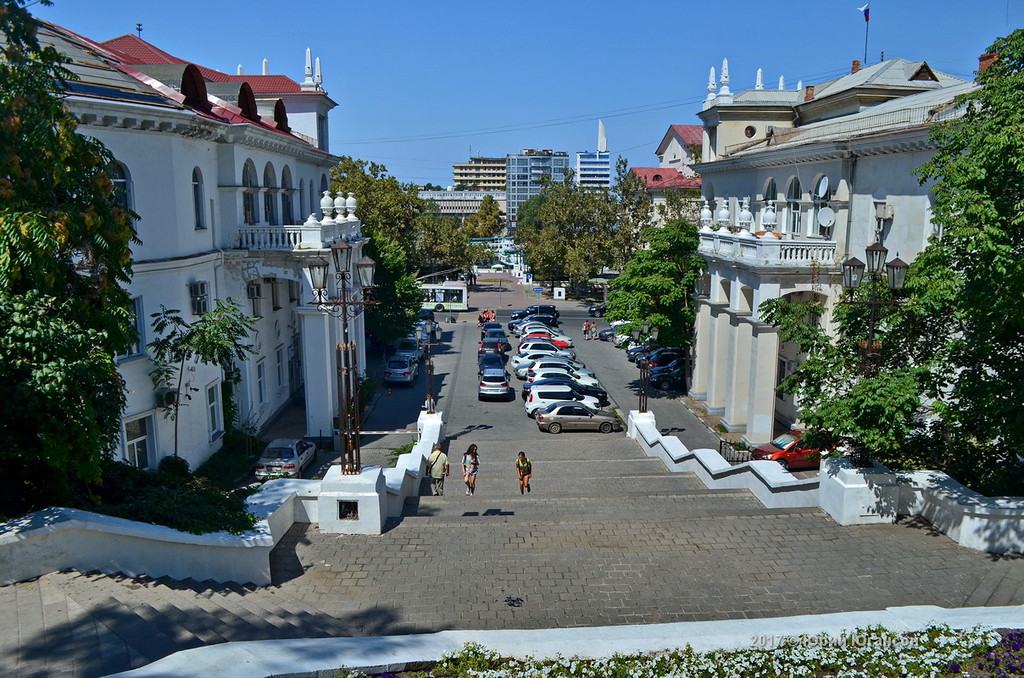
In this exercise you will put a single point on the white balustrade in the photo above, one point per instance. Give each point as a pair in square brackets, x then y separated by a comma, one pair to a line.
[767, 250]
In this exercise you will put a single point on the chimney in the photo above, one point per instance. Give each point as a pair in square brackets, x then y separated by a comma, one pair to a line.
[809, 93]
[856, 66]
[986, 60]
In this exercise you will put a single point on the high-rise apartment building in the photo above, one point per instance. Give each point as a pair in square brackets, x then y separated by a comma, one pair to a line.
[480, 174]
[524, 171]
[593, 168]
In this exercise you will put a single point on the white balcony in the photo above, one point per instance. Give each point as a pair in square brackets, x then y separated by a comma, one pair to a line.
[768, 250]
[311, 235]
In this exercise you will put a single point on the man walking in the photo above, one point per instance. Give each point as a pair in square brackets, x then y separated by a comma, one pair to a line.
[437, 468]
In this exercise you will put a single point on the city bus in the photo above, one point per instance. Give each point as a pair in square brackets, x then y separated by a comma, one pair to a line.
[450, 295]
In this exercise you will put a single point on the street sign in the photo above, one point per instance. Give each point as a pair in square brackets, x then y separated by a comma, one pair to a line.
[538, 289]
[529, 277]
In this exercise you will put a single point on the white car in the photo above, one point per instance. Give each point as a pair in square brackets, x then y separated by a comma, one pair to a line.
[525, 359]
[532, 346]
[554, 372]
[542, 396]
[550, 361]
[530, 328]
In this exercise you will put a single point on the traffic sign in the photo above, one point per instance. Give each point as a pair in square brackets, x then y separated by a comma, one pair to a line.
[538, 289]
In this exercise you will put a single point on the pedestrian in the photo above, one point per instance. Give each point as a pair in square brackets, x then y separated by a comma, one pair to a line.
[437, 468]
[470, 466]
[524, 469]
[586, 329]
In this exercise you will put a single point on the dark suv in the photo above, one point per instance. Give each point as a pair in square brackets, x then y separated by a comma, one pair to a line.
[597, 310]
[536, 309]
[663, 356]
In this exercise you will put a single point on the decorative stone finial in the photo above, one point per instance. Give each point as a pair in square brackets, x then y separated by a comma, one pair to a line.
[350, 205]
[266, 67]
[782, 82]
[318, 78]
[308, 82]
[760, 79]
[724, 91]
[768, 216]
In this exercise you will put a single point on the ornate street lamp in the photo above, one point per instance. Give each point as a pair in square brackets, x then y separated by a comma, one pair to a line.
[350, 304]
[642, 362]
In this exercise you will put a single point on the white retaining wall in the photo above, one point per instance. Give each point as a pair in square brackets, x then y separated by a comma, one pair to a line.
[60, 538]
[852, 496]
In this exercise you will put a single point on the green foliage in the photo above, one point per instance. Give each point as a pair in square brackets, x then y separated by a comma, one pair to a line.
[229, 465]
[657, 283]
[62, 403]
[173, 469]
[395, 289]
[63, 230]
[488, 220]
[441, 243]
[634, 214]
[979, 205]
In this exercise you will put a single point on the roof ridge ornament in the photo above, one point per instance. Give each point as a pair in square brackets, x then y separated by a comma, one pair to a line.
[308, 82]
[759, 84]
[724, 91]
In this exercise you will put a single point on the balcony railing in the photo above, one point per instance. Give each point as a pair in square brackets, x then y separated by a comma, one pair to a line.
[311, 235]
[768, 250]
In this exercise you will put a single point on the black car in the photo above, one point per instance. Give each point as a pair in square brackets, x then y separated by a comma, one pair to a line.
[426, 314]
[492, 361]
[498, 345]
[669, 377]
[634, 352]
[536, 309]
[489, 326]
[597, 310]
[606, 335]
[599, 393]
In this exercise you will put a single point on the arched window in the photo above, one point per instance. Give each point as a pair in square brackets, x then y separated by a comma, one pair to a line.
[250, 208]
[269, 195]
[122, 181]
[770, 192]
[287, 212]
[197, 199]
[793, 196]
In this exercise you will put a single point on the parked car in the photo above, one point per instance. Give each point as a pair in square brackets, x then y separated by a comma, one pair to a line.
[790, 450]
[634, 352]
[548, 320]
[552, 372]
[491, 361]
[409, 348]
[427, 314]
[494, 384]
[524, 359]
[496, 334]
[285, 457]
[592, 391]
[572, 416]
[545, 309]
[608, 334]
[551, 361]
[489, 326]
[663, 356]
[494, 345]
[543, 396]
[561, 341]
[669, 377]
[538, 345]
[400, 370]
[531, 327]
[597, 310]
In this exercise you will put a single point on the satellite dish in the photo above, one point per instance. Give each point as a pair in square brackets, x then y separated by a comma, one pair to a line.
[826, 217]
[823, 188]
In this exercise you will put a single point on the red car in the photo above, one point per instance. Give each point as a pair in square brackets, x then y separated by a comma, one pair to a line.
[557, 341]
[792, 452]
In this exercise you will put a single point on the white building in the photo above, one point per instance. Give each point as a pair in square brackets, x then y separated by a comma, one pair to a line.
[524, 171]
[594, 168]
[461, 204]
[226, 194]
[796, 182]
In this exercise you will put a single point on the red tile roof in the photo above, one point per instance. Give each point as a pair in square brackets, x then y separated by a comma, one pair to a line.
[137, 52]
[690, 135]
[659, 178]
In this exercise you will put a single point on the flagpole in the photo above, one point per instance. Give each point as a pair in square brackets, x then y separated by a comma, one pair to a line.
[867, 25]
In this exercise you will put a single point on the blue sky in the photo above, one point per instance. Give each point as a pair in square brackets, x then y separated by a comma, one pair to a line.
[423, 85]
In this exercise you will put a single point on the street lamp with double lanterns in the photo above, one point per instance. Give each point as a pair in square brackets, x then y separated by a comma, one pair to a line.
[646, 331]
[853, 277]
[350, 304]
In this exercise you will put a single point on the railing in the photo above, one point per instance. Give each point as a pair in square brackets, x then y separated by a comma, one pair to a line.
[767, 250]
[311, 235]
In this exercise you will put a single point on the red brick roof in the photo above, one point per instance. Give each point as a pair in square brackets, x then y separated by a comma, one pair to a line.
[659, 178]
[137, 52]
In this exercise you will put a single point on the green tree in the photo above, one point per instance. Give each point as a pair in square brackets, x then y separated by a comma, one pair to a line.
[488, 220]
[62, 403]
[216, 338]
[65, 252]
[443, 244]
[395, 289]
[979, 256]
[634, 214]
[657, 284]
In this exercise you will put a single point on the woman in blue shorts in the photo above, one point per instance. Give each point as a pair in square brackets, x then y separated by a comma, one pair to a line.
[470, 465]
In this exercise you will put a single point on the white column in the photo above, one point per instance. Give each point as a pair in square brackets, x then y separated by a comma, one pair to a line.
[735, 416]
[721, 364]
[319, 371]
[764, 359]
[704, 352]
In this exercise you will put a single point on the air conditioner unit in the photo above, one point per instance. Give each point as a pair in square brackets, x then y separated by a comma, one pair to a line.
[254, 291]
[884, 211]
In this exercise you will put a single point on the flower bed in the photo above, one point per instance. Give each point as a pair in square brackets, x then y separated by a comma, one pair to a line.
[937, 652]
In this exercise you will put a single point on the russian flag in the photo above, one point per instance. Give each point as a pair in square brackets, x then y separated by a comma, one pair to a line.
[867, 11]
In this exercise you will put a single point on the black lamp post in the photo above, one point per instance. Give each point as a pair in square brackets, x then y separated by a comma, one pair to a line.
[426, 340]
[853, 278]
[349, 304]
[642, 362]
